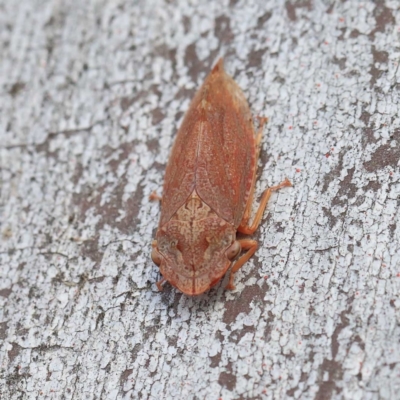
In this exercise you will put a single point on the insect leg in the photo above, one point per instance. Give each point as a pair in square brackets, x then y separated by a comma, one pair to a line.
[249, 229]
[251, 247]
[154, 196]
[160, 284]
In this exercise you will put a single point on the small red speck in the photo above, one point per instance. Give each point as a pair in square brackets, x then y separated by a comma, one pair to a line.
[298, 170]
[327, 155]
[281, 260]
[300, 342]
[383, 265]
[315, 122]
[391, 173]
[398, 275]
[326, 42]
[264, 391]
[318, 85]
[357, 293]
[336, 76]
[40, 393]
[341, 19]
[290, 127]
[369, 255]
[332, 148]
[266, 277]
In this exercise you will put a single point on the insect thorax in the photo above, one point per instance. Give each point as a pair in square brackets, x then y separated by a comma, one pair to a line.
[194, 209]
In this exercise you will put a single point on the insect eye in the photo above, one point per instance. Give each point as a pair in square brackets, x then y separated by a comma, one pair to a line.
[155, 256]
[233, 250]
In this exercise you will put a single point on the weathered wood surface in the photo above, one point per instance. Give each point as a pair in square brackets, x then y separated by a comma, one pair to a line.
[91, 96]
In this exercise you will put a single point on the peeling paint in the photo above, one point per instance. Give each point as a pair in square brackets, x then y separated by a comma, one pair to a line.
[92, 95]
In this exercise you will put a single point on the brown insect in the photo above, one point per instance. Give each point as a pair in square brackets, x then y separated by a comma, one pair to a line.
[208, 189]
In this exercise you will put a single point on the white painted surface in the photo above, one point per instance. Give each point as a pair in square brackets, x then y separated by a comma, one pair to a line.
[91, 96]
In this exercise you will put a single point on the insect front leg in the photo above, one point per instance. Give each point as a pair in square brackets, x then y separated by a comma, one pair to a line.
[244, 227]
[251, 247]
[154, 196]
[160, 284]
[156, 257]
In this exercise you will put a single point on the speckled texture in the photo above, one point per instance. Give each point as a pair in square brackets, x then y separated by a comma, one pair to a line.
[91, 95]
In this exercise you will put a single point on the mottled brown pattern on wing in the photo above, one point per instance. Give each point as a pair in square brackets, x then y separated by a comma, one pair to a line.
[214, 151]
[180, 173]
